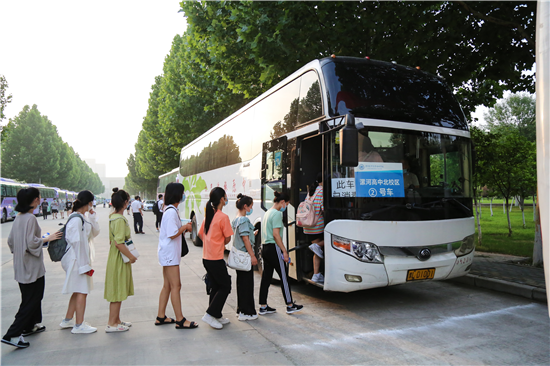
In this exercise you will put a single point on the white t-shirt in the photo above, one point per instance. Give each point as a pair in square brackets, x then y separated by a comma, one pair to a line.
[161, 202]
[169, 251]
[136, 205]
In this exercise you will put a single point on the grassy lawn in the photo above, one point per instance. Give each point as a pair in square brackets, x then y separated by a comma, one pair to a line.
[499, 201]
[495, 232]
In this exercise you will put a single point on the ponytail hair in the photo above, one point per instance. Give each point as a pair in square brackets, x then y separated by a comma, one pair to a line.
[243, 200]
[280, 196]
[313, 187]
[216, 194]
[25, 197]
[118, 198]
[83, 199]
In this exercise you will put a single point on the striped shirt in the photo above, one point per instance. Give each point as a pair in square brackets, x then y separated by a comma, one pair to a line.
[318, 204]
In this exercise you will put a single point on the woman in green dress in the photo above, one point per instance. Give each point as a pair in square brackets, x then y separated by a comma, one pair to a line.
[118, 277]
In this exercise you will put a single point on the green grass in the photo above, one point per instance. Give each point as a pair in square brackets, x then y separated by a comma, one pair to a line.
[495, 232]
[499, 201]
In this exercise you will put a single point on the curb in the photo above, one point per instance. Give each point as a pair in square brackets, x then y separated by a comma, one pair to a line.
[529, 292]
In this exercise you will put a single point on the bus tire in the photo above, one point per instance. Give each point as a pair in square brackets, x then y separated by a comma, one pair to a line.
[258, 250]
[194, 232]
[4, 216]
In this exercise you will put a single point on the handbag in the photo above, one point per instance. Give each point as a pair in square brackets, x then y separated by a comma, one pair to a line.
[130, 245]
[239, 260]
[184, 247]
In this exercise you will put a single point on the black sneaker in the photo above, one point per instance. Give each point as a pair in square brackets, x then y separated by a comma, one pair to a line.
[267, 310]
[294, 308]
[18, 342]
[36, 329]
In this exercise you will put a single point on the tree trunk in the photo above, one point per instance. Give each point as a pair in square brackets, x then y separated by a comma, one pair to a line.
[537, 248]
[491, 206]
[521, 202]
[511, 205]
[503, 207]
[478, 222]
[508, 216]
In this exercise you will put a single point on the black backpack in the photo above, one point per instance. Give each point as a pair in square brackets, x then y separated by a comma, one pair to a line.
[156, 208]
[58, 248]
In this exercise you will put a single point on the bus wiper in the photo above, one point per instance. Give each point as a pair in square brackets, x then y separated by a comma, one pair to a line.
[454, 200]
[409, 206]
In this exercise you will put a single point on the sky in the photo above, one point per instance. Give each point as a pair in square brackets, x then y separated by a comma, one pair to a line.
[88, 66]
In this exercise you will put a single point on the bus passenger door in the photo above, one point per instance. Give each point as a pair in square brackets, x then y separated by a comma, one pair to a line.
[275, 177]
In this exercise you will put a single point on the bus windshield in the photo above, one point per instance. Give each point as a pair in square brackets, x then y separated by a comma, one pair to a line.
[381, 90]
[402, 176]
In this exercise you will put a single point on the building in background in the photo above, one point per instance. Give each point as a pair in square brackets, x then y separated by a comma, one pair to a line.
[108, 182]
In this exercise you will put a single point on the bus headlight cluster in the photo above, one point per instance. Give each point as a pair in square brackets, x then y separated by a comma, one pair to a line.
[466, 246]
[363, 251]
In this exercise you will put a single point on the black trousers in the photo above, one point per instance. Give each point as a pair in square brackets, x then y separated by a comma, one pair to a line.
[245, 292]
[138, 221]
[221, 285]
[159, 219]
[273, 260]
[30, 310]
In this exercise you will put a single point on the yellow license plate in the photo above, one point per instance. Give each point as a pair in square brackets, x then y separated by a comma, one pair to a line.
[420, 274]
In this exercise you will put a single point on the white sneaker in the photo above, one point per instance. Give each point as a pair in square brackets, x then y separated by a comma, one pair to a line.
[118, 328]
[213, 322]
[66, 323]
[244, 317]
[84, 328]
[315, 248]
[223, 321]
[318, 278]
[126, 324]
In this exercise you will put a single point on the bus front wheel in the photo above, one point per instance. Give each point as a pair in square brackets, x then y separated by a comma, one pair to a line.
[194, 233]
[4, 216]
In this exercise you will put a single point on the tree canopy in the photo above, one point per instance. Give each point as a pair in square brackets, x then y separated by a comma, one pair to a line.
[33, 152]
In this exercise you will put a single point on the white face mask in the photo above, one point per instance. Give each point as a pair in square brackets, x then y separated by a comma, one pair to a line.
[90, 207]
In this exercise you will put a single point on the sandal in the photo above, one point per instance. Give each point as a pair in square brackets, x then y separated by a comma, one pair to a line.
[162, 321]
[179, 325]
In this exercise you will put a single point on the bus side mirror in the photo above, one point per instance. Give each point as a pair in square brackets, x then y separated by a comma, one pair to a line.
[349, 153]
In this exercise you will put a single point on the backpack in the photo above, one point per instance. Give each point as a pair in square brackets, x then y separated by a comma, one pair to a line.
[305, 215]
[58, 248]
[156, 210]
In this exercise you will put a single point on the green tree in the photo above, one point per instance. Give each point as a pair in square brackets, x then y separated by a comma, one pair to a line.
[253, 45]
[29, 153]
[505, 163]
[4, 99]
[516, 112]
[134, 183]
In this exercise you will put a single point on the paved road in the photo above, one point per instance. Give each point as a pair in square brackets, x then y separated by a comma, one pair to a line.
[423, 323]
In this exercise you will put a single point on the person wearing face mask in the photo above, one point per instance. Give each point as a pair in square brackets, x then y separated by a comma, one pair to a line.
[274, 255]
[215, 233]
[244, 237]
[77, 261]
[169, 255]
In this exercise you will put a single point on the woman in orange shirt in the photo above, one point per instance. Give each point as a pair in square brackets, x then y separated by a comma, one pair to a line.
[215, 232]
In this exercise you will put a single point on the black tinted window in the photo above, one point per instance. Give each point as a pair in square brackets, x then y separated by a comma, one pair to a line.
[381, 90]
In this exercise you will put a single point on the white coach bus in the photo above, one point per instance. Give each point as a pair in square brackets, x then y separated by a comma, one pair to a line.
[393, 146]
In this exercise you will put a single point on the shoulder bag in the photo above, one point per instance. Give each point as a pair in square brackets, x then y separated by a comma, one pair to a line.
[184, 247]
[239, 260]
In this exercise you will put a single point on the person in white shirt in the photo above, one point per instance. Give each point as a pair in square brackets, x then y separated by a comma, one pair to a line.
[137, 207]
[160, 205]
[77, 262]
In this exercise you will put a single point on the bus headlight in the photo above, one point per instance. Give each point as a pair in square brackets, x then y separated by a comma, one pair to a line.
[363, 251]
[466, 247]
